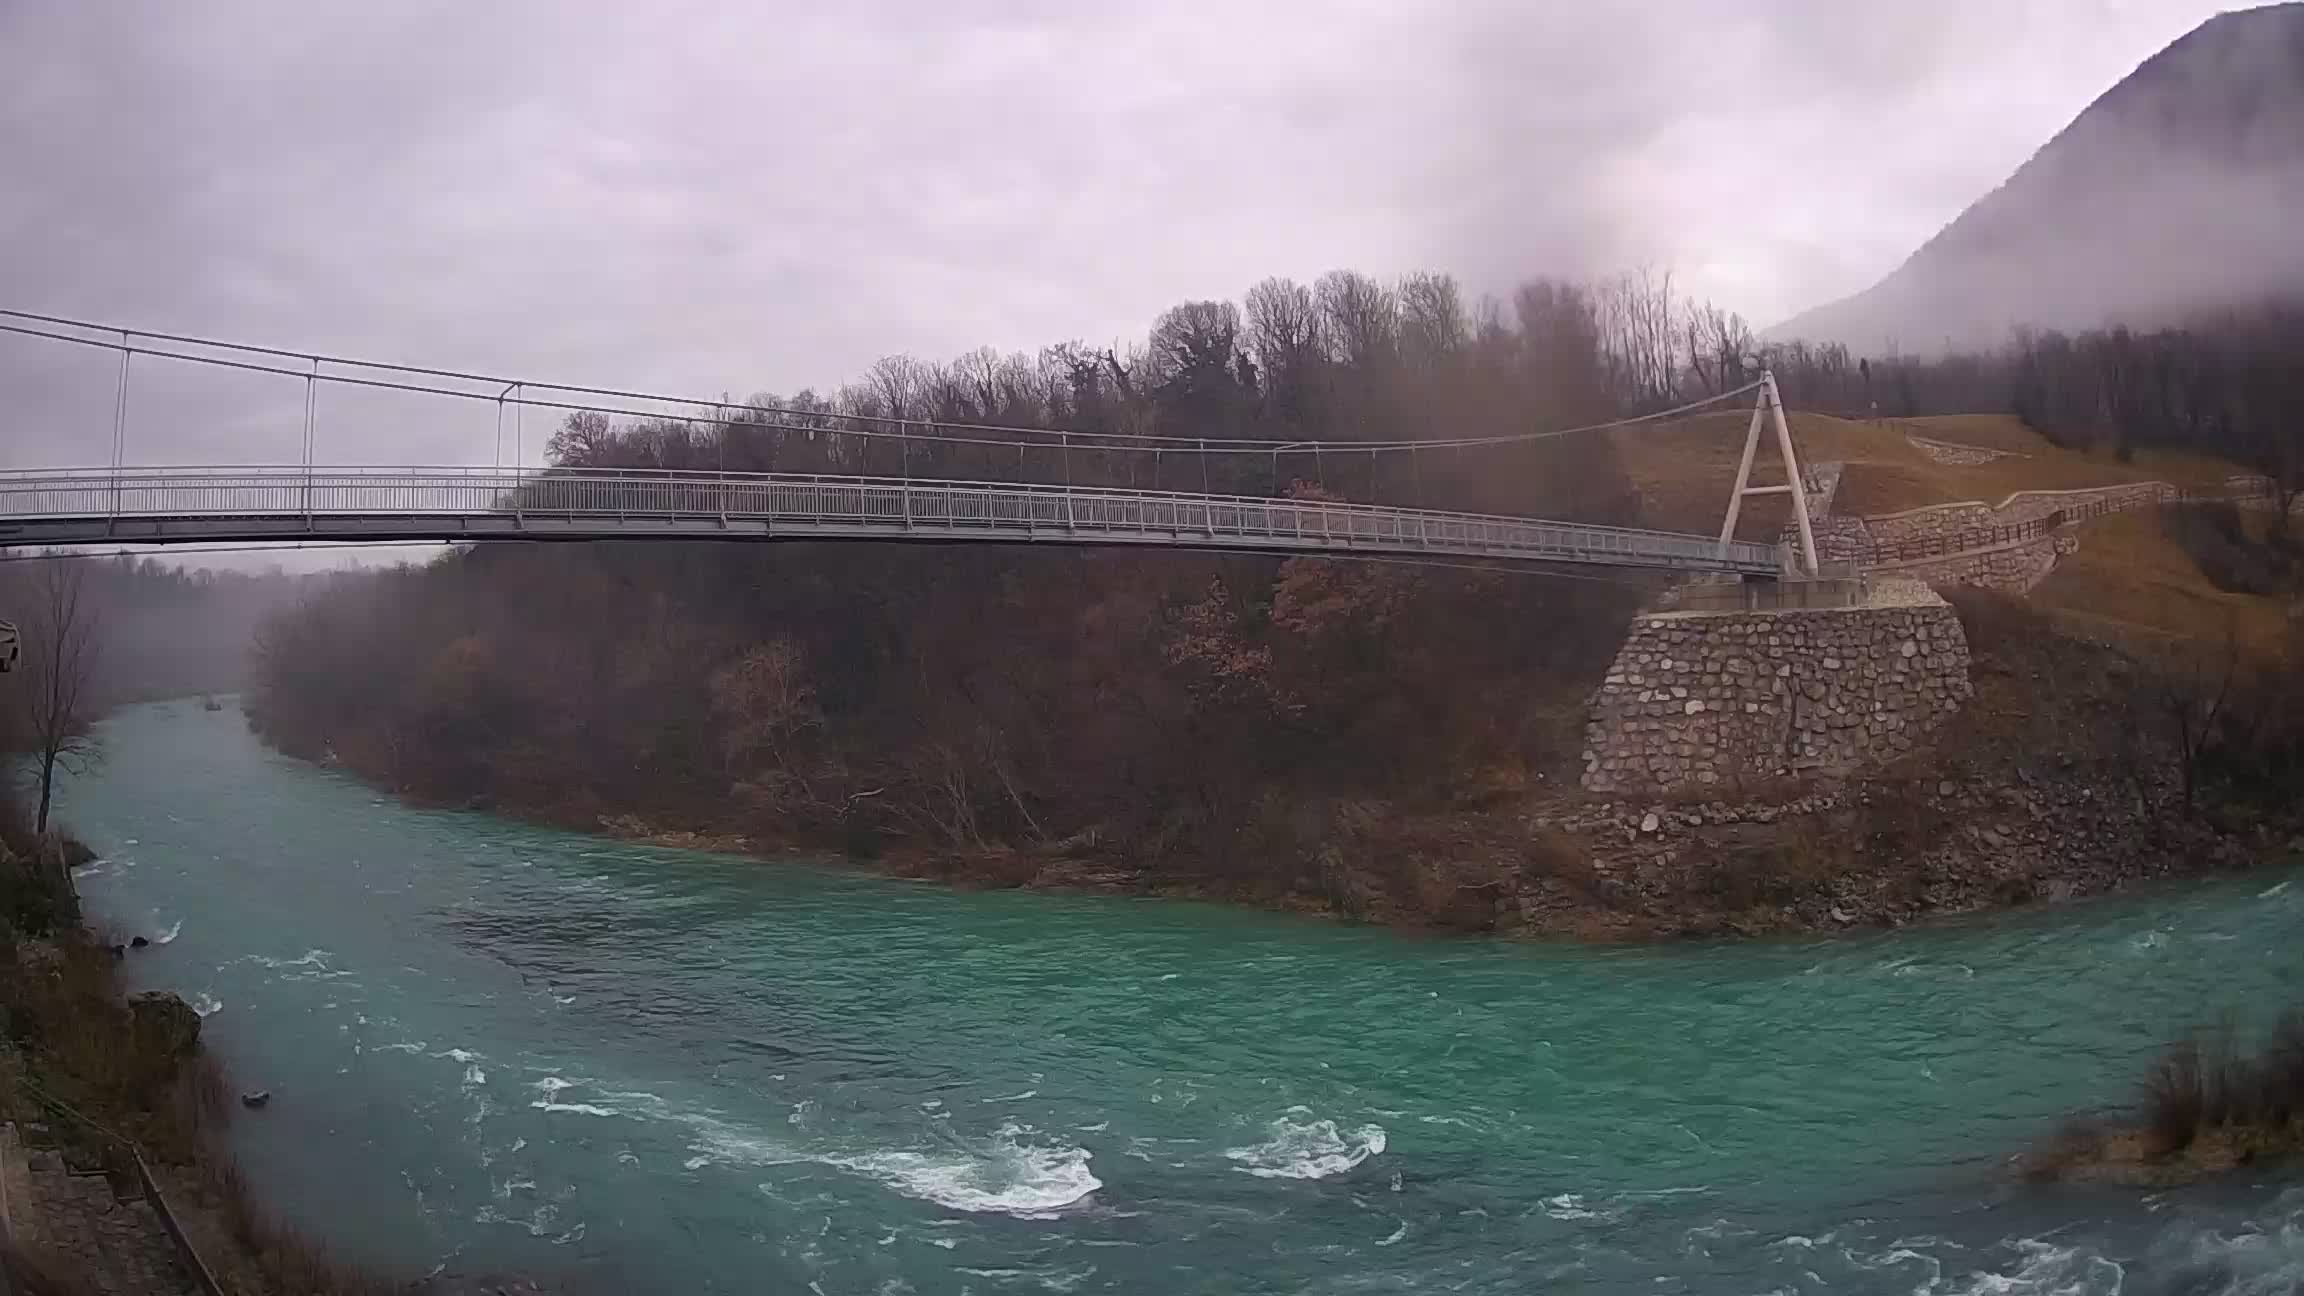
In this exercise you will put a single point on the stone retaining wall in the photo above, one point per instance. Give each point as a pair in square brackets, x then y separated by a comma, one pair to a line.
[1956, 455]
[2023, 506]
[2013, 568]
[1698, 700]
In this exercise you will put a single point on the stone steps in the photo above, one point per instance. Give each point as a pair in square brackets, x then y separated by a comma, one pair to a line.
[116, 1243]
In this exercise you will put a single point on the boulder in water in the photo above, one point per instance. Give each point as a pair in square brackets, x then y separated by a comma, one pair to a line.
[164, 1023]
[138, 943]
[255, 1098]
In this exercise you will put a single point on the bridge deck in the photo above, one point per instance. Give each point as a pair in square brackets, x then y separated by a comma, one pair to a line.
[165, 505]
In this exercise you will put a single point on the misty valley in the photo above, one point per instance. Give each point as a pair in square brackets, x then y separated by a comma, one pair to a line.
[1495, 777]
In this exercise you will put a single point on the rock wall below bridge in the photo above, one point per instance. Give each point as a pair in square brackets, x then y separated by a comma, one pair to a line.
[1699, 701]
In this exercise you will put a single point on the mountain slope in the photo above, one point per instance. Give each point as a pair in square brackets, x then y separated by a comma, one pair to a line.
[2179, 189]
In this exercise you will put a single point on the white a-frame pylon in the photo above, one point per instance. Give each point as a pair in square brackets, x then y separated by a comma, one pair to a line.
[1771, 410]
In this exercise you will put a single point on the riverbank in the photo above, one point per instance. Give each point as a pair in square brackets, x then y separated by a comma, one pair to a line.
[113, 1120]
[2207, 1108]
[114, 1117]
[2056, 782]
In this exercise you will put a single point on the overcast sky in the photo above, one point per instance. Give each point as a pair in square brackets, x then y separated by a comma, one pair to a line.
[714, 196]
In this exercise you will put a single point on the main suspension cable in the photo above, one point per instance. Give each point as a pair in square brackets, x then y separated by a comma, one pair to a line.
[815, 422]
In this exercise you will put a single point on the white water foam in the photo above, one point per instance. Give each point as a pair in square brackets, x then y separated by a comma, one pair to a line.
[312, 965]
[1013, 1174]
[1016, 1172]
[576, 1109]
[1571, 1206]
[717, 1140]
[170, 934]
[545, 1218]
[1931, 1269]
[2050, 1270]
[553, 1085]
[207, 1005]
[2263, 1256]
[1312, 1149]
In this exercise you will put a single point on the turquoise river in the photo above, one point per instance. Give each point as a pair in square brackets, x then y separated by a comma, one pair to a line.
[497, 1049]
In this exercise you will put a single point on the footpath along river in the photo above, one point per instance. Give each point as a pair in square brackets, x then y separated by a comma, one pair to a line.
[496, 1048]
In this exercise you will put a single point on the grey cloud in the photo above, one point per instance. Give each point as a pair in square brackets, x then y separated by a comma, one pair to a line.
[724, 197]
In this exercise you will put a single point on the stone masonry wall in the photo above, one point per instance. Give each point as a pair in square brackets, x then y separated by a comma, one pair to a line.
[1695, 700]
[2023, 506]
[2014, 567]
[1946, 452]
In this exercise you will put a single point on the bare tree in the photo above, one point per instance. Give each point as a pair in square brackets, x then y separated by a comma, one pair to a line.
[1719, 345]
[1359, 319]
[1433, 326]
[1283, 328]
[2192, 690]
[1639, 331]
[903, 385]
[585, 440]
[60, 648]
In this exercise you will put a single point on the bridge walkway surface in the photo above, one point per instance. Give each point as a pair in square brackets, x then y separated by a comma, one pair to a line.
[293, 503]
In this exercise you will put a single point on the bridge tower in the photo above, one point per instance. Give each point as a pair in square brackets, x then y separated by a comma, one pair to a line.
[1770, 409]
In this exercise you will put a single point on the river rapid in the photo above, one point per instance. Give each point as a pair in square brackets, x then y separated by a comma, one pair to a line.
[495, 1048]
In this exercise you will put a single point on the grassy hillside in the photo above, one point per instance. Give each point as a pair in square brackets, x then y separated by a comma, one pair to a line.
[2129, 580]
[1682, 470]
[2133, 584]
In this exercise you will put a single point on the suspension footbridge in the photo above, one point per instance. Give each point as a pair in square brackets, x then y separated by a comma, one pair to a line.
[120, 503]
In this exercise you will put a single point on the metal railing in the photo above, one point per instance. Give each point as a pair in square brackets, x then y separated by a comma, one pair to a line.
[1911, 549]
[145, 505]
[125, 1151]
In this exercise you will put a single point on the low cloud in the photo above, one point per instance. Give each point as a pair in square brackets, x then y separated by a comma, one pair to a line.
[724, 198]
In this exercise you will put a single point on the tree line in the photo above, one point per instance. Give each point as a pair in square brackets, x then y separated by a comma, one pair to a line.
[1346, 359]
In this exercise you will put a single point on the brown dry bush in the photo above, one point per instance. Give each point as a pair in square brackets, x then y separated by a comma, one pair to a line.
[2205, 1083]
